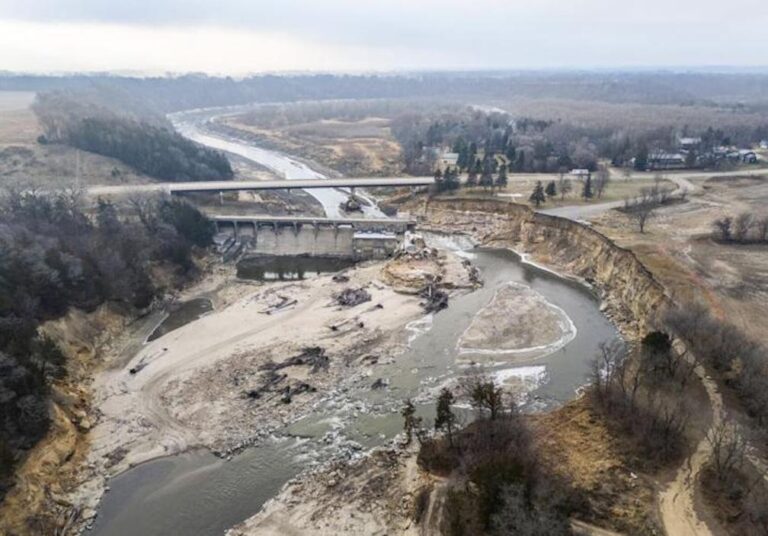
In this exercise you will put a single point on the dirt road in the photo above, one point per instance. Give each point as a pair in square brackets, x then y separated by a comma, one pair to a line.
[677, 501]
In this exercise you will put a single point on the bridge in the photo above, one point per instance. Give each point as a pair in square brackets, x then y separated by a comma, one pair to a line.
[231, 186]
[254, 223]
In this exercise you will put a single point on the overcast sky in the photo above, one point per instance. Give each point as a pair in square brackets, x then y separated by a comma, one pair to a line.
[246, 36]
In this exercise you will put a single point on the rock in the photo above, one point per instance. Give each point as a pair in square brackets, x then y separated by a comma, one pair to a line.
[380, 383]
[350, 297]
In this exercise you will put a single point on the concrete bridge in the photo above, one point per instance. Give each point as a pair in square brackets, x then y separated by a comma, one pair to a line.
[296, 223]
[231, 186]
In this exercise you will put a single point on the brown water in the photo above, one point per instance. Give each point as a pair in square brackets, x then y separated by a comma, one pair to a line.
[197, 494]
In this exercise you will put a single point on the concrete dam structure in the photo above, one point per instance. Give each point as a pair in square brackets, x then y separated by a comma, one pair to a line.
[357, 238]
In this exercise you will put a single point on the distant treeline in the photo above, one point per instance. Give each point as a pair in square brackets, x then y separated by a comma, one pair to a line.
[545, 145]
[54, 256]
[150, 149]
[168, 94]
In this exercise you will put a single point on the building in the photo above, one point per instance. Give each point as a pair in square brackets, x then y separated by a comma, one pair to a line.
[688, 143]
[748, 156]
[764, 144]
[581, 173]
[448, 160]
[665, 160]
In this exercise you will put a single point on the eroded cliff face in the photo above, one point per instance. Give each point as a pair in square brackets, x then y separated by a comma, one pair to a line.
[632, 297]
[39, 503]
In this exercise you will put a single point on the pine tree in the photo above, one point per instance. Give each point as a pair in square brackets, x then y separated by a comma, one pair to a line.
[551, 190]
[502, 179]
[410, 420]
[586, 191]
[538, 197]
[445, 419]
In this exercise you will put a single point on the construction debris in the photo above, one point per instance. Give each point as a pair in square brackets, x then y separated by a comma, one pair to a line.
[435, 299]
[282, 304]
[340, 278]
[313, 356]
[350, 297]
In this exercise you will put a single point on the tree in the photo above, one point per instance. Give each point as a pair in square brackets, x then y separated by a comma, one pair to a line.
[537, 196]
[564, 186]
[485, 395]
[445, 418]
[641, 158]
[551, 189]
[641, 210]
[586, 191]
[691, 159]
[411, 422]
[502, 179]
[486, 179]
[723, 227]
[602, 178]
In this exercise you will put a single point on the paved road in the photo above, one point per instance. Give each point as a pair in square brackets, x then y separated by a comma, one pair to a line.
[681, 180]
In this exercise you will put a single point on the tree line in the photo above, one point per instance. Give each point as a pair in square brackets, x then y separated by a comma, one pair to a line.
[508, 489]
[154, 150]
[746, 228]
[55, 255]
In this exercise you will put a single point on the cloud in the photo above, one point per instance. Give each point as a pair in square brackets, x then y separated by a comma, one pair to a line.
[391, 34]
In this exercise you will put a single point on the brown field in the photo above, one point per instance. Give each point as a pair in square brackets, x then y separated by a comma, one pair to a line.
[360, 147]
[24, 162]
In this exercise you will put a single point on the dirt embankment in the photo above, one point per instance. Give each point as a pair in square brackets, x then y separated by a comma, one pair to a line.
[631, 295]
[37, 504]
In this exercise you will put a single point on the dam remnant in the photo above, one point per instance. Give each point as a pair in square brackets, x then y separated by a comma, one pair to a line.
[357, 238]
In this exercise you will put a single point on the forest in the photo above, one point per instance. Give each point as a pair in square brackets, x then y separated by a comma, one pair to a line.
[53, 256]
[548, 143]
[151, 148]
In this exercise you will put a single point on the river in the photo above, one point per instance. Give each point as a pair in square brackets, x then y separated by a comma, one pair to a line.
[198, 494]
[192, 125]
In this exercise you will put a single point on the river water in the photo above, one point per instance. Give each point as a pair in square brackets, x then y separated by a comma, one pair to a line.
[198, 494]
[192, 125]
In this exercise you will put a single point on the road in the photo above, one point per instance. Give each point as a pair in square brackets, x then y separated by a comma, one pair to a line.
[227, 186]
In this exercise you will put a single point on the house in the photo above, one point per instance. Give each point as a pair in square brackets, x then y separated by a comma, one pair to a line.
[748, 156]
[581, 173]
[689, 143]
[665, 160]
[448, 160]
[764, 144]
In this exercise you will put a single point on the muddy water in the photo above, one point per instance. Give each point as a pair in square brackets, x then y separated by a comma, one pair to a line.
[182, 314]
[199, 495]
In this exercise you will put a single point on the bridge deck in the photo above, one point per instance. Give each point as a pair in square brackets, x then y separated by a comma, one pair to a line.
[310, 220]
[228, 186]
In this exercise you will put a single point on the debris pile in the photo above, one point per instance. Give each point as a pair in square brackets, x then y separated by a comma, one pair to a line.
[350, 297]
[435, 299]
[313, 356]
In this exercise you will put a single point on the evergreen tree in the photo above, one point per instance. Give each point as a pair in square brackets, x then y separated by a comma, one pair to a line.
[486, 179]
[502, 179]
[538, 197]
[445, 419]
[551, 190]
[586, 191]
[410, 421]
[641, 158]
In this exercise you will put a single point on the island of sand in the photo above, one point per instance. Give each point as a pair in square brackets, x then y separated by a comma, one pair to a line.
[517, 324]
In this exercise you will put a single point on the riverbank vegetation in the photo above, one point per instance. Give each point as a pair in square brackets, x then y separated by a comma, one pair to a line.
[55, 255]
[152, 149]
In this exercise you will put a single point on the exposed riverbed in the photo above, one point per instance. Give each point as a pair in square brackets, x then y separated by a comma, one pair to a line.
[199, 494]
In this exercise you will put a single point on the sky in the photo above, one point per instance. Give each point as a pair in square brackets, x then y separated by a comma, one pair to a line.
[239, 37]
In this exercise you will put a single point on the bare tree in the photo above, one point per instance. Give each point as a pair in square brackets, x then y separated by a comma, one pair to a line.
[729, 450]
[602, 178]
[741, 226]
[724, 226]
[641, 210]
